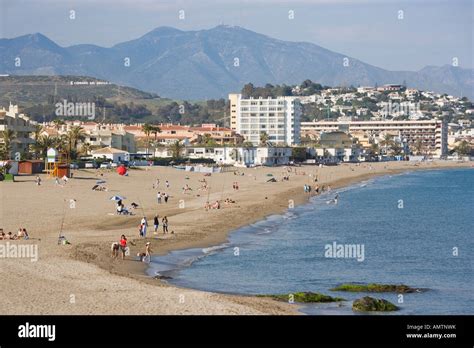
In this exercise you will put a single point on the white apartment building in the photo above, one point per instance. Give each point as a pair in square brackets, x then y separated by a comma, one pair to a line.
[21, 125]
[278, 117]
[432, 133]
[242, 156]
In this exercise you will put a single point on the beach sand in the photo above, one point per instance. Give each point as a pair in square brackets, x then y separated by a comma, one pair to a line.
[82, 278]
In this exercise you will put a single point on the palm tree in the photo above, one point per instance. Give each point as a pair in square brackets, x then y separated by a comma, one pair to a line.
[155, 130]
[176, 149]
[387, 142]
[75, 135]
[58, 123]
[263, 138]
[36, 135]
[86, 148]
[8, 136]
[147, 129]
[43, 143]
[418, 146]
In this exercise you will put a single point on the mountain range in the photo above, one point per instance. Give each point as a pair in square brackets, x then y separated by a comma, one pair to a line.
[211, 63]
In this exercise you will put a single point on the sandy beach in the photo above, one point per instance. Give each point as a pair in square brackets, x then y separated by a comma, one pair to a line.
[82, 278]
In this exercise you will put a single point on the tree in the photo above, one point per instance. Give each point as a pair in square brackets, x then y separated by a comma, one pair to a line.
[75, 135]
[8, 136]
[43, 143]
[86, 148]
[176, 149]
[147, 129]
[387, 142]
[418, 146]
[264, 138]
[463, 149]
[155, 130]
[247, 144]
[58, 123]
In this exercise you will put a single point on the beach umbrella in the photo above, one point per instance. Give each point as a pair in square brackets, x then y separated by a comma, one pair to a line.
[117, 198]
[98, 182]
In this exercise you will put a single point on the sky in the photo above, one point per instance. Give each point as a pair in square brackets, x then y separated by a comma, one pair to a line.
[395, 35]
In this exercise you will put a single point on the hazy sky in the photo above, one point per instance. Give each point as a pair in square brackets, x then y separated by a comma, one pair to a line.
[431, 32]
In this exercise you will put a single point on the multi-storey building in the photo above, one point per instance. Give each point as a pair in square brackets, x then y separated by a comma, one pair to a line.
[21, 126]
[433, 134]
[278, 117]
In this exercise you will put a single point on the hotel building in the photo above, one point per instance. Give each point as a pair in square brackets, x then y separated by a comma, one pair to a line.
[432, 133]
[278, 117]
[21, 125]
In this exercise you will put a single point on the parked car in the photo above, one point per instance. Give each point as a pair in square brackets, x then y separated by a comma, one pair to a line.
[74, 166]
[105, 166]
[114, 165]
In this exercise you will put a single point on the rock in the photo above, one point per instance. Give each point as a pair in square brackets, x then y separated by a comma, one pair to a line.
[374, 287]
[370, 304]
[304, 297]
[162, 277]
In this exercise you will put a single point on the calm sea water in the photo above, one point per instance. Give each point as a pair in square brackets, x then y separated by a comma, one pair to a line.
[412, 245]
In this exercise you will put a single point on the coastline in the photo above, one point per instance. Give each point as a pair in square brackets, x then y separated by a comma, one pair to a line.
[87, 268]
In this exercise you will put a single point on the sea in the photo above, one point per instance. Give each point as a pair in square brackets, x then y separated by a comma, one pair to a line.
[415, 228]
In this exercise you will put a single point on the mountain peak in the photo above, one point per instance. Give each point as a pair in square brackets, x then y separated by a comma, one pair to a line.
[163, 31]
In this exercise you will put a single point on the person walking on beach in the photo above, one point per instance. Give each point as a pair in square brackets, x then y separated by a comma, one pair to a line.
[158, 197]
[167, 184]
[165, 195]
[38, 180]
[165, 224]
[123, 246]
[146, 256]
[156, 222]
[144, 226]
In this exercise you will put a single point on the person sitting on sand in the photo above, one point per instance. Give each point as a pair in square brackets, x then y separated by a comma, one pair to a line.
[216, 205]
[2, 235]
[11, 236]
[26, 236]
[229, 201]
[20, 233]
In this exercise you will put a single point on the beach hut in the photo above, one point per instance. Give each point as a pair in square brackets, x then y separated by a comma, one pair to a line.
[30, 167]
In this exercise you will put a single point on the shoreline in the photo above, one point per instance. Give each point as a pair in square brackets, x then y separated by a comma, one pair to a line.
[335, 185]
[138, 270]
[85, 268]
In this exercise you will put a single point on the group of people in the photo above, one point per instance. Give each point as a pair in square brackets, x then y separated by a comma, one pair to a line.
[215, 205]
[142, 228]
[162, 196]
[164, 223]
[156, 185]
[21, 234]
[120, 247]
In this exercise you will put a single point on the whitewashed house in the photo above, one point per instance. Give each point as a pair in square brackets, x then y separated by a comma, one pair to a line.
[112, 154]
